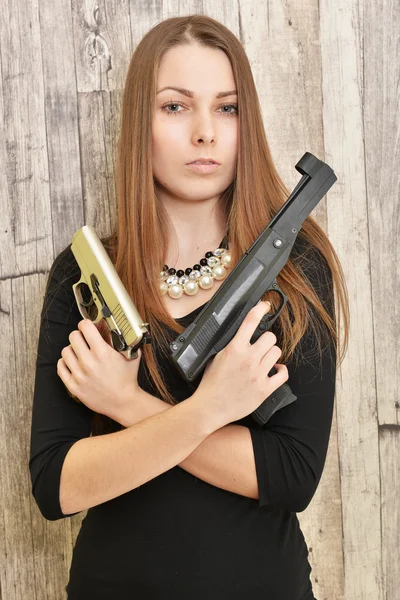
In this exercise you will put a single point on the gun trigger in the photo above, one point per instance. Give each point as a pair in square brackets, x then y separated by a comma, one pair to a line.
[268, 320]
[262, 324]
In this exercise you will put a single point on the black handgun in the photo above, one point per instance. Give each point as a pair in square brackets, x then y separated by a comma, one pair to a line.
[253, 276]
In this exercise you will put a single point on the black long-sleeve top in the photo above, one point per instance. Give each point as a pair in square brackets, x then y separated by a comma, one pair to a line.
[177, 536]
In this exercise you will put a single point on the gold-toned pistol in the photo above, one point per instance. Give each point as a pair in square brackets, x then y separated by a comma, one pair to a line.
[100, 294]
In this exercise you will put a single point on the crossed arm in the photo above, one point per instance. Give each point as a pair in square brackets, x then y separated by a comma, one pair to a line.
[224, 459]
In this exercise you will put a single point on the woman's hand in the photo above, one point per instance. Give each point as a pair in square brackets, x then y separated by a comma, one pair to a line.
[236, 381]
[98, 375]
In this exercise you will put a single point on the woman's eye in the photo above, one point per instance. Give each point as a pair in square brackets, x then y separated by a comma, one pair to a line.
[175, 112]
[170, 104]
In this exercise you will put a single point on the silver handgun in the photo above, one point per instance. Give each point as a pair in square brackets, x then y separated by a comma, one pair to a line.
[100, 293]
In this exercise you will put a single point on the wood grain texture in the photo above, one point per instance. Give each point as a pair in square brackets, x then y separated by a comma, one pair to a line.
[389, 444]
[61, 113]
[343, 36]
[327, 75]
[26, 238]
[381, 93]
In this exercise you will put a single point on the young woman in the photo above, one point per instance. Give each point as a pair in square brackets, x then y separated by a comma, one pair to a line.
[187, 496]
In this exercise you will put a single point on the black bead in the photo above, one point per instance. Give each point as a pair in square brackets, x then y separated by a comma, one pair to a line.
[165, 268]
[171, 271]
[180, 273]
[209, 254]
[204, 262]
[188, 271]
[196, 267]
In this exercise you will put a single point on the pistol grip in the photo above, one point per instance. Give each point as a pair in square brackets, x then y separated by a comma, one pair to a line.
[282, 395]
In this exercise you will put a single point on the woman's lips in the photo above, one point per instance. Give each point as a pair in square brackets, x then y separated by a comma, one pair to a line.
[202, 168]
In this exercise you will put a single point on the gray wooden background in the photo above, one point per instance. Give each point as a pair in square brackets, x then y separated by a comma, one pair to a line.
[328, 78]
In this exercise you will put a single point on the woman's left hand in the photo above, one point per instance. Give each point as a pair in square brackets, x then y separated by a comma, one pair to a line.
[98, 375]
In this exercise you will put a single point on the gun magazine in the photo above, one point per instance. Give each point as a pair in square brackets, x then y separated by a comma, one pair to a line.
[277, 400]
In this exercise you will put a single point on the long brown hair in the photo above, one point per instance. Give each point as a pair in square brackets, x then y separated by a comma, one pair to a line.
[137, 246]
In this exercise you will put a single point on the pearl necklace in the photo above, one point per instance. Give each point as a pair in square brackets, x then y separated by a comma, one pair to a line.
[212, 266]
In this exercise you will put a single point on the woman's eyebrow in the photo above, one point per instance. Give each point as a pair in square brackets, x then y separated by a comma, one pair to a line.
[190, 94]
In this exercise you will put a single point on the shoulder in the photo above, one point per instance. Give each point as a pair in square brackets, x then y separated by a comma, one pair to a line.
[64, 272]
[65, 263]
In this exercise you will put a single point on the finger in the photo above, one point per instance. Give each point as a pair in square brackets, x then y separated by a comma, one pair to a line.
[281, 375]
[64, 374]
[265, 343]
[91, 334]
[70, 359]
[269, 358]
[250, 323]
[79, 345]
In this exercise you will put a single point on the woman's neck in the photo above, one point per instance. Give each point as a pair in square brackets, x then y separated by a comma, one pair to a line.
[187, 252]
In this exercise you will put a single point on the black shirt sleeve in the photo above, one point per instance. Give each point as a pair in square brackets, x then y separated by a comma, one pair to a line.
[290, 449]
[57, 420]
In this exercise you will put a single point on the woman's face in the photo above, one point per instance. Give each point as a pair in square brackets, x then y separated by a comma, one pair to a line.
[185, 128]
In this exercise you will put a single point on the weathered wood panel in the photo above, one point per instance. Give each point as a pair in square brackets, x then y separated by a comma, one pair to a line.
[342, 28]
[389, 444]
[26, 241]
[382, 156]
[381, 92]
[328, 82]
[99, 120]
[61, 112]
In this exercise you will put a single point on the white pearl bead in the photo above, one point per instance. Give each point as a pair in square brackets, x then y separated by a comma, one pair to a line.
[226, 259]
[191, 288]
[206, 282]
[219, 272]
[163, 288]
[175, 291]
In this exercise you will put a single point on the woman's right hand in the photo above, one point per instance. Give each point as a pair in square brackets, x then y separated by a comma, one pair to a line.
[235, 381]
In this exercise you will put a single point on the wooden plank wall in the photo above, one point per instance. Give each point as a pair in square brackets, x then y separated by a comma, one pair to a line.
[328, 80]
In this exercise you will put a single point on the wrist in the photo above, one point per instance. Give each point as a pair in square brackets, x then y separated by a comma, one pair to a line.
[207, 417]
[143, 405]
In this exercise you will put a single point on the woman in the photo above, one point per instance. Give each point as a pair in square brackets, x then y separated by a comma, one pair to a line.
[188, 496]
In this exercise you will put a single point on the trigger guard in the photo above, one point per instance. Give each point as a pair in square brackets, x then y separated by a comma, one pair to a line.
[269, 319]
